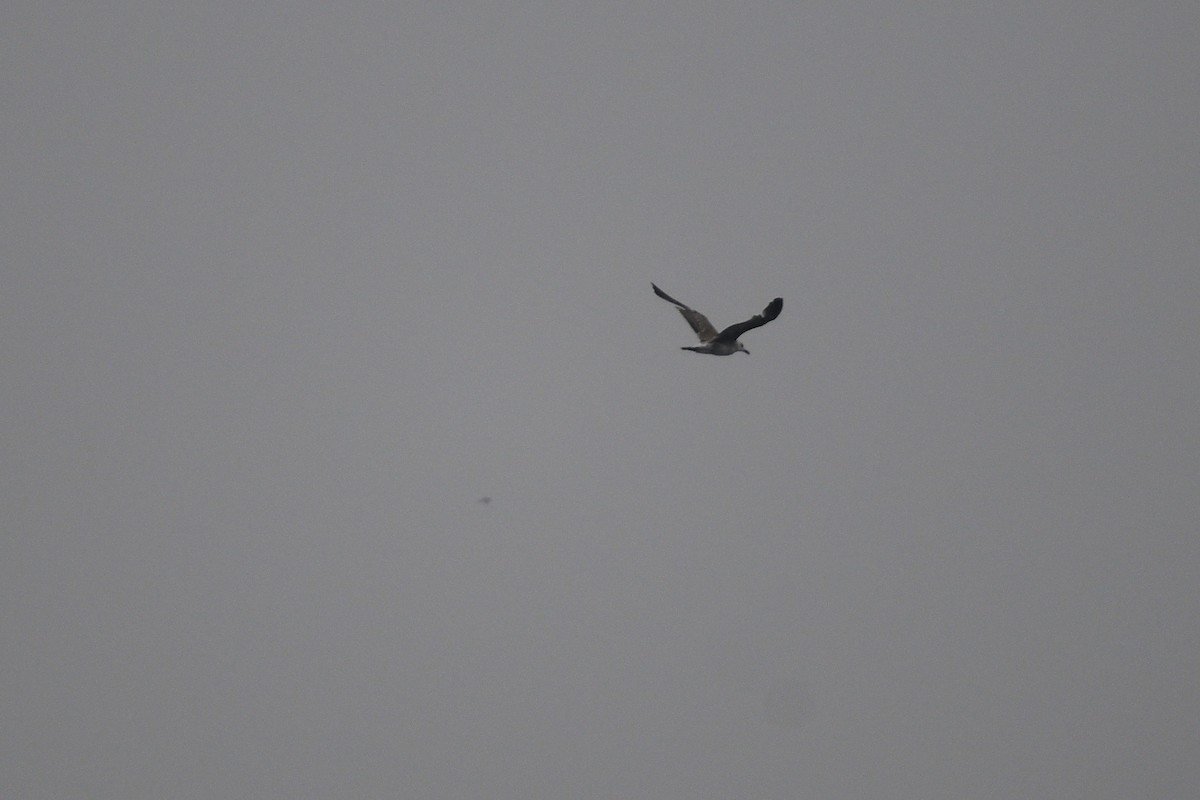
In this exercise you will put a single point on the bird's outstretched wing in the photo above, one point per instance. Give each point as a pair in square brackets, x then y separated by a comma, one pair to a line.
[769, 313]
[698, 321]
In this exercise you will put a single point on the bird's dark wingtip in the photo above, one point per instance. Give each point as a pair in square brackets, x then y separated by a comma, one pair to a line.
[665, 296]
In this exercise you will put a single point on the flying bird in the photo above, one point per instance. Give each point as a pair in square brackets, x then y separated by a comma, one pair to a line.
[726, 342]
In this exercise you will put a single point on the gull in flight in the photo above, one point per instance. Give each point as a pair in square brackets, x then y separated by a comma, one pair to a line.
[726, 342]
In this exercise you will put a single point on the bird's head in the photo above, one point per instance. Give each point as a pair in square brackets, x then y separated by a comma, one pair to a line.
[741, 348]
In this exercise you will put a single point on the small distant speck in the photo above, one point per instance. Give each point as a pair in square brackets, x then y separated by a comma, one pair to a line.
[485, 500]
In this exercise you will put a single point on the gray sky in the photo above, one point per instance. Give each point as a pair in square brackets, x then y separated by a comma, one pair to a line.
[288, 287]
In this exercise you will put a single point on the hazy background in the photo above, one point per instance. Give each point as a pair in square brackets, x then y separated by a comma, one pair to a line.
[288, 287]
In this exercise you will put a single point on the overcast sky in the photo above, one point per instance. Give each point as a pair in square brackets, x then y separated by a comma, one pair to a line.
[287, 288]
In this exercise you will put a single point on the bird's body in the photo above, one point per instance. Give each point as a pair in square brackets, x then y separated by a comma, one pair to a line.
[725, 342]
[718, 348]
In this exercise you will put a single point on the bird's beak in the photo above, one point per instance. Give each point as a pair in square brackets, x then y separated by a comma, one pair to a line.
[744, 350]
